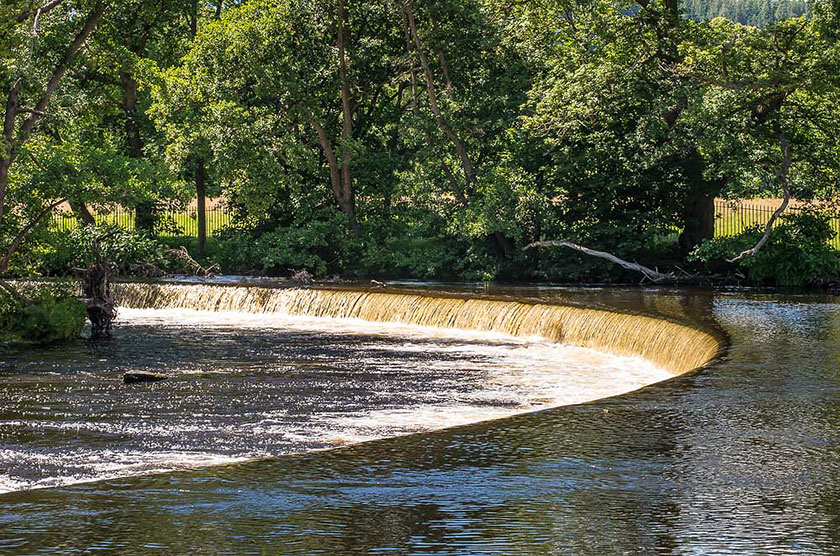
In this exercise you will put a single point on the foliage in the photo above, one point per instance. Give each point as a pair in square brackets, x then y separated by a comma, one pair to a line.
[797, 253]
[40, 313]
[757, 13]
[128, 251]
[417, 138]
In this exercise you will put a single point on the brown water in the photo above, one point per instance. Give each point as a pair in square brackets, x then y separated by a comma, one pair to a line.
[740, 457]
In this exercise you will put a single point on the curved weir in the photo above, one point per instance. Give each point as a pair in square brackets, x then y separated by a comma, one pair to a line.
[257, 372]
[676, 347]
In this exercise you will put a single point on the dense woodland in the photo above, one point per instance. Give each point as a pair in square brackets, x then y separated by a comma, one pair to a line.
[758, 13]
[419, 138]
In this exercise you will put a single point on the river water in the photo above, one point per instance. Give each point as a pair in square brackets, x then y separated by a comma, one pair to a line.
[743, 455]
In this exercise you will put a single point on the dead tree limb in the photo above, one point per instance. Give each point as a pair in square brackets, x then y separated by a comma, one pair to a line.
[96, 289]
[649, 273]
[782, 178]
[191, 265]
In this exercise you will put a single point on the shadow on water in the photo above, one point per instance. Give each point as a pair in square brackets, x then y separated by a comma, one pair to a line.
[740, 456]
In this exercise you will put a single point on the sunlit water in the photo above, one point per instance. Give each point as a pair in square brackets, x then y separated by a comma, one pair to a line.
[247, 386]
[742, 457]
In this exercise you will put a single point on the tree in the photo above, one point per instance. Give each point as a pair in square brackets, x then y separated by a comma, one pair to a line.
[31, 84]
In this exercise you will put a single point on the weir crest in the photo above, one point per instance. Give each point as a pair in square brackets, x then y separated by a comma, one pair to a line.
[673, 346]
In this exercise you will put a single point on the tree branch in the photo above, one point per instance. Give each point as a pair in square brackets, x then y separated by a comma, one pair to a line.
[782, 178]
[4, 263]
[90, 24]
[24, 15]
[649, 273]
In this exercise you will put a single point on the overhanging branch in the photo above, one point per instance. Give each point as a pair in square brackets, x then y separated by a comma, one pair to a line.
[649, 273]
[782, 177]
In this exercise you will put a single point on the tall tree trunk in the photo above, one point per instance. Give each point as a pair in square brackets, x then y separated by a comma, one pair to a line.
[201, 206]
[344, 203]
[447, 171]
[82, 213]
[699, 205]
[346, 125]
[144, 211]
[447, 128]
[194, 9]
[8, 138]
[4, 180]
[699, 220]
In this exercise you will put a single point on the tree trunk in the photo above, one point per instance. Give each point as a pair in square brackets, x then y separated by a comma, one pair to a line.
[699, 220]
[344, 203]
[82, 213]
[144, 215]
[457, 142]
[347, 199]
[4, 180]
[8, 137]
[201, 206]
[699, 206]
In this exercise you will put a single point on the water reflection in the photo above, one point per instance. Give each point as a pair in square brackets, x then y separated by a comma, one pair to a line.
[739, 457]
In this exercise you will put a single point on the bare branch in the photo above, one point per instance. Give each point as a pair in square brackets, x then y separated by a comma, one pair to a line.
[649, 273]
[782, 178]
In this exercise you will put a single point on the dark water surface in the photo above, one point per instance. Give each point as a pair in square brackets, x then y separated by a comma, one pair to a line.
[742, 456]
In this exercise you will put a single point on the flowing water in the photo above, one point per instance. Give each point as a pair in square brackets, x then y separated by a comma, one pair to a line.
[741, 456]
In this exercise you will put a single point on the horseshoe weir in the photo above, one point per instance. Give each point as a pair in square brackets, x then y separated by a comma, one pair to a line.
[676, 347]
[425, 419]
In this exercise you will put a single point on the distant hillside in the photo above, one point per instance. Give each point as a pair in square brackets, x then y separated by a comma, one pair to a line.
[749, 12]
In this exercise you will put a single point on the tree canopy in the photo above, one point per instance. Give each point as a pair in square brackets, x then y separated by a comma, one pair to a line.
[416, 137]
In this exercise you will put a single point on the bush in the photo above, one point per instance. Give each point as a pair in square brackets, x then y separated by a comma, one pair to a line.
[797, 252]
[126, 250]
[318, 247]
[44, 314]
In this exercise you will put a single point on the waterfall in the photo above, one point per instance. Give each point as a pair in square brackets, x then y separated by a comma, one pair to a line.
[674, 346]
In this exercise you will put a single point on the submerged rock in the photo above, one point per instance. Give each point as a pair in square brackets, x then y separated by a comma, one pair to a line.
[142, 376]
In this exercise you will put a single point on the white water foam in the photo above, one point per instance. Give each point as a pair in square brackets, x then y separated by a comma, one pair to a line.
[515, 375]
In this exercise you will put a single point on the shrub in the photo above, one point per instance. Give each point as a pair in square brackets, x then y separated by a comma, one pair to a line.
[126, 250]
[797, 253]
[41, 314]
[317, 246]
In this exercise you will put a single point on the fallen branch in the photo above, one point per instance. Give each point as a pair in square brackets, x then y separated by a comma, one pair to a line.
[191, 264]
[781, 176]
[649, 273]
